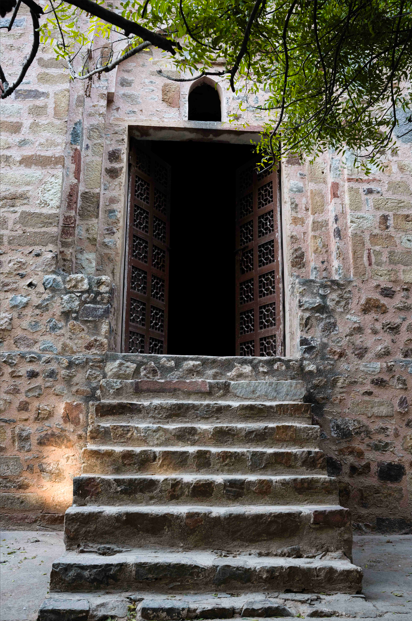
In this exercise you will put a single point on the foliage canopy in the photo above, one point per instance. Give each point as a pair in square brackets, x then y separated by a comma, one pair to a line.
[335, 73]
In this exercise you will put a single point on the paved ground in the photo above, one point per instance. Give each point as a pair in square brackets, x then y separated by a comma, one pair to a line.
[26, 558]
[25, 562]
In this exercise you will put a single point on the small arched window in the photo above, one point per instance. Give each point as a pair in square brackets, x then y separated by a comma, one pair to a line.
[204, 103]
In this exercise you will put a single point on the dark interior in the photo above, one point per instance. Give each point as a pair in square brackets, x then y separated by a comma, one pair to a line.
[202, 246]
[204, 104]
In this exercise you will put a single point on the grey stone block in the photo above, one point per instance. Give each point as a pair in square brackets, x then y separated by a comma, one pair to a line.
[70, 303]
[163, 610]
[120, 370]
[64, 610]
[77, 282]
[276, 391]
[53, 282]
[19, 301]
[10, 466]
[94, 312]
[265, 608]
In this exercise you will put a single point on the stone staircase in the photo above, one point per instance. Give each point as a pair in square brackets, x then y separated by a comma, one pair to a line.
[203, 495]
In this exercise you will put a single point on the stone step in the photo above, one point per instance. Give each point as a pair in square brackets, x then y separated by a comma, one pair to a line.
[198, 412]
[311, 530]
[280, 435]
[168, 610]
[199, 489]
[257, 605]
[203, 460]
[202, 390]
[232, 368]
[64, 609]
[179, 572]
[153, 606]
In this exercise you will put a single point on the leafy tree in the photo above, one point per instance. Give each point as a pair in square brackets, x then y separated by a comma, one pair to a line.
[335, 73]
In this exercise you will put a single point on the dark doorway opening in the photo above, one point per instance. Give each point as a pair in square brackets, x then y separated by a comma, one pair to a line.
[204, 104]
[202, 245]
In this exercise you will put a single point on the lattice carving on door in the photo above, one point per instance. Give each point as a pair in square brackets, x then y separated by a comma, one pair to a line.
[159, 229]
[141, 219]
[158, 288]
[160, 201]
[156, 346]
[266, 253]
[246, 205]
[140, 250]
[135, 342]
[139, 280]
[246, 233]
[265, 195]
[148, 260]
[266, 224]
[247, 291]
[142, 190]
[267, 345]
[157, 319]
[247, 348]
[247, 322]
[267, 316]
[267, 284]
[137, 312]
[246, 261]
[259, 317]
[159, 258]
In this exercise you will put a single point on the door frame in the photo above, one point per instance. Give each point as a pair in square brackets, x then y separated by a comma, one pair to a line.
[190, 131]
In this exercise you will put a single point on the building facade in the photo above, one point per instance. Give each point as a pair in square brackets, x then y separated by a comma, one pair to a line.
[308, 267]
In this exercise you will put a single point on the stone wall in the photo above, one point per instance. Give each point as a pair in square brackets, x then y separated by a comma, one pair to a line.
[53, 339]
[348, 274]
[360, 394]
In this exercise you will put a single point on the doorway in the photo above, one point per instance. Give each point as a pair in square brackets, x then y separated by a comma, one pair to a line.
[203, 254]
[202, 245]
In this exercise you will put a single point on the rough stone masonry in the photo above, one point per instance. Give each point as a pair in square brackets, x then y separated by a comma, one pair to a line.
[348, 278]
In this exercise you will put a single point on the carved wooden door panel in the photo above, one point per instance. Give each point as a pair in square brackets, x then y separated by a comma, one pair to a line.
[147, 269]
[259, 295]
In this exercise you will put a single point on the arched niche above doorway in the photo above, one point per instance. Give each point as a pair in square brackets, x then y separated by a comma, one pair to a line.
[204, 101]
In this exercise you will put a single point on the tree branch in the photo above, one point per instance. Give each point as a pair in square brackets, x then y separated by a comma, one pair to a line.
[127, 25]
[285, 82]
[107, 68]
[187, 26]
[246, 37]
[196, 77]
[5, 88]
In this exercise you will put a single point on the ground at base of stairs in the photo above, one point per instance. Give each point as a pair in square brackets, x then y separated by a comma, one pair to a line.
[26, 558]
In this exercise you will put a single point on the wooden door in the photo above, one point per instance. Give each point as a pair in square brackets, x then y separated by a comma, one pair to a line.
[147, 271]
[259, 296]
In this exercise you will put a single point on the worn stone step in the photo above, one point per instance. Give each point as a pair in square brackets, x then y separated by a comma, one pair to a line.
[311, 530]
[198, 489]
[232, 368]
[184, 572]
[64, 609]
[199, 412]
[172, 460]
[154, 606]
[169, 610]
[202, 390]
[281, 435]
